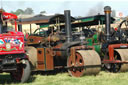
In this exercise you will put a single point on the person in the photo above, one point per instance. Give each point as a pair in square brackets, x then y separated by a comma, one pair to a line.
[26, 35]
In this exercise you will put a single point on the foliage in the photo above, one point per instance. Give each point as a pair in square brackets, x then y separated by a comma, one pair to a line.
[42, 12]
[26, 11]
[18, 11]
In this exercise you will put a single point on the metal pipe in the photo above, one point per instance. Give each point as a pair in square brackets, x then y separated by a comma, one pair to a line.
[68, 25]
[107, 11]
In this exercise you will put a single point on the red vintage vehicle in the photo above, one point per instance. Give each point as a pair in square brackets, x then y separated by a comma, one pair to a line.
[12, 54]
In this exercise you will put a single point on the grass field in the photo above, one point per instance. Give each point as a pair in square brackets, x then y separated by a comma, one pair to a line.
[104, 78]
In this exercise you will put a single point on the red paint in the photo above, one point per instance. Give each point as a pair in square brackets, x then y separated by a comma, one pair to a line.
[10, 16]
[114, 61]
[12, 43]
[111, 49]
[116, 29]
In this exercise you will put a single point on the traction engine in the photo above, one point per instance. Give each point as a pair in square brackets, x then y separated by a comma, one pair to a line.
[12, 54]
[114, 47]
[59, 50]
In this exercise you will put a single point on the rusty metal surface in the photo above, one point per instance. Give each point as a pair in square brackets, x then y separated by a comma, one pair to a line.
[34, 39]
[124, 57]
[41, 65]
[49, 59]
[84, 59]
[32, 54]
[45, 59]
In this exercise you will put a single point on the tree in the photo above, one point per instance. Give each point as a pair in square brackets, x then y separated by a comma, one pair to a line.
[42, 12]
[28, 11]
[18, 12]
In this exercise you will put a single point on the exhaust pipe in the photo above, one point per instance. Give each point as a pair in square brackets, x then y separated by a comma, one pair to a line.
[68, 25]
[107, 11]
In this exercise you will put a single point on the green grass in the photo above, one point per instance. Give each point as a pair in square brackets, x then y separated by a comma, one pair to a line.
[104, 78]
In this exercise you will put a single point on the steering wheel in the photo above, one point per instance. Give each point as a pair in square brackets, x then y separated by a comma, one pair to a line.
[40, 32]
[120, 33]
[125, 22]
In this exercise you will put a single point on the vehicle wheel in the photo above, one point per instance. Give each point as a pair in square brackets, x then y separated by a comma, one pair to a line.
[114, 67]
[22, 73]
[82, 60]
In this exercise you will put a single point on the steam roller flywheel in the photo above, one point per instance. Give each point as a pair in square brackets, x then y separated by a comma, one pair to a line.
[87, 62]
[123, 53]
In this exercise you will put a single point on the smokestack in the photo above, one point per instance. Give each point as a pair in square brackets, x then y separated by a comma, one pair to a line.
[68, 25]
[107, 11]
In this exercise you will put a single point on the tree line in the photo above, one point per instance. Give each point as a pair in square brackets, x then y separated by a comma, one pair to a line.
[26, 11]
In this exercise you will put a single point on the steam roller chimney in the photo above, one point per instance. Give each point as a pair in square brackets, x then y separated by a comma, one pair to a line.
[107, 11]
[68, 25]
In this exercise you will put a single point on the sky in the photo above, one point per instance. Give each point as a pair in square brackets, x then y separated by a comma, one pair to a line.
[77, 7]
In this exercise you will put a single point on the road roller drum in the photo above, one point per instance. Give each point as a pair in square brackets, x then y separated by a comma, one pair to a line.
[124, 57]
[87, 61]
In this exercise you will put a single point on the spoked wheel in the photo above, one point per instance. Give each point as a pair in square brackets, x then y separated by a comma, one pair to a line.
[120, 54]
[114, 67]
[76, 72]
[82, 59]
[22, 73]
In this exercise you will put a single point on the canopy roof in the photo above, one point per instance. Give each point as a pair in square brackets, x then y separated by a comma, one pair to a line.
[43, 19]
[91, 20]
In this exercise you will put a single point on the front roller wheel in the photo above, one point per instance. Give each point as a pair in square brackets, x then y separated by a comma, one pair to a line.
[22, 73]
[124, 57]
[83, 60]
[113, 67]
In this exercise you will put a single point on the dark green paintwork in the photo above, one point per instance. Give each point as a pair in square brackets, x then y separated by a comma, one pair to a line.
[42, 26]
[93, 41]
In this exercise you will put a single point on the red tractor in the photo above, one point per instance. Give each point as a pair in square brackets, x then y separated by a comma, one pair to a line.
[12, 54]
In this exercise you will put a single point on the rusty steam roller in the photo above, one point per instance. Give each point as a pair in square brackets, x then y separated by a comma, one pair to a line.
[80, 61]
[58, 50]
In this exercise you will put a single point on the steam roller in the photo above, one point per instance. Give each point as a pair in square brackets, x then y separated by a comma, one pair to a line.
[85, 62]
[122, 53]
